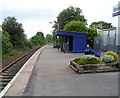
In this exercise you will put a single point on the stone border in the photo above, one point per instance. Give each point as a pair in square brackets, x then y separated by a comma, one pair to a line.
[93, 68]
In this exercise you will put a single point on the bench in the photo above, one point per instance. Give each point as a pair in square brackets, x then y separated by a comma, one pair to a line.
[95, 52]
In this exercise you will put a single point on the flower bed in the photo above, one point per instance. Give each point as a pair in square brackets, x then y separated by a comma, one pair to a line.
[92, 64]
[94, 68]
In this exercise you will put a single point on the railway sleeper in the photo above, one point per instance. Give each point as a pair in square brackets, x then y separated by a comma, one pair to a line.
[6, 77]
[6, 74]
[5, 80]
[2, 76]
[1, 88]
[3, 84]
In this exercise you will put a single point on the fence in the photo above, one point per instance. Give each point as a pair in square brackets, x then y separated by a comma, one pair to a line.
[108, 40]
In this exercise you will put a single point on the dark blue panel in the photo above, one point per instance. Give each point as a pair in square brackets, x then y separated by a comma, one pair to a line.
[76, 41]
[68, 33]
[116, 14]
[79, 45]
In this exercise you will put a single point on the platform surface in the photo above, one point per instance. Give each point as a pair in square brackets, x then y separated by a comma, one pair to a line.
[52, 76]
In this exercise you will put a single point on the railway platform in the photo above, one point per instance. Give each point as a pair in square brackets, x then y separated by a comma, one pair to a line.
[48, 73]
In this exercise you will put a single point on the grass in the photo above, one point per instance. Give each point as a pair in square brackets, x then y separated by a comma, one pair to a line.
[83, 61]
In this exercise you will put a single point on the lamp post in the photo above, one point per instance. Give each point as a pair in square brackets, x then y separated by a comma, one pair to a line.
[57, 25]
[55, 38]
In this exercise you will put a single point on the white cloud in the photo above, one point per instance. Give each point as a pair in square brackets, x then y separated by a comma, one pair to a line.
[33, 26]
[29, 14]
[35, 15]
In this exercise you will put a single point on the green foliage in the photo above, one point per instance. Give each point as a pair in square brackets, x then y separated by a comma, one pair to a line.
[14, 41]
[79, 26]
[113, 54]
[7, 48]
[93, 61]
[101, 25]
[88, 59]
[29, 44]
[76, 26]
[108, 59]
[38, 39]
[15, 31]
[92, 33]
[68, 15]
[49, 38]
[81, 62]
[6, 44]
[15, 52]
[76, 60]
[96, 61]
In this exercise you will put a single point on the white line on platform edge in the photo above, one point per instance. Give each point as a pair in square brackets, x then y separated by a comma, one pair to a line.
[12, 81]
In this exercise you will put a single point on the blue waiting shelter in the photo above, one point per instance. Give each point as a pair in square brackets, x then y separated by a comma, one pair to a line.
[74, 42]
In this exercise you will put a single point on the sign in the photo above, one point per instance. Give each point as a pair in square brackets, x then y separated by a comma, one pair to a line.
[116, 10]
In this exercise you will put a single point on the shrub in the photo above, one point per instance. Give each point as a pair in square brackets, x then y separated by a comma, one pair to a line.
[81, 62]
[114, 54]
[76, 60]
[96, 61]
[108, 59]
[89, 57]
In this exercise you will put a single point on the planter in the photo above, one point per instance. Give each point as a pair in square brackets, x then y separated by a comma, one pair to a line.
[93, 68]
[90, 67]
[111, 64]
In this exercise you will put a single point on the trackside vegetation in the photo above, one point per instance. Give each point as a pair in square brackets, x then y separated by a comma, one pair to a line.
[14, 40]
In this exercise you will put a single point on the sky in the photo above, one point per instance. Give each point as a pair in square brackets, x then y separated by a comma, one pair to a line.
[35, 15]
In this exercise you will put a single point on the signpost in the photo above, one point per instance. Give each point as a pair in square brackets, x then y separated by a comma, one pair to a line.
[119, 27]
[116, 10]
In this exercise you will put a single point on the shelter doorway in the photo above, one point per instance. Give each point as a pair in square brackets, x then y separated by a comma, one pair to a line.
[70, 43]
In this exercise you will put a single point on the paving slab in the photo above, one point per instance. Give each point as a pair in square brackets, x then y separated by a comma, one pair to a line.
[52, 76]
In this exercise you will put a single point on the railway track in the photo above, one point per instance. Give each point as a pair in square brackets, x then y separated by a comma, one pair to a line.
[8, 72]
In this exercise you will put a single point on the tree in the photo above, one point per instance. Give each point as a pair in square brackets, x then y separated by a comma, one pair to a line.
[101, 25]
[92, 33]
[38, 39]
[15, 30]
[68, 15]
[76, 26]
[29, 44]
[6, 44]
[49, 38]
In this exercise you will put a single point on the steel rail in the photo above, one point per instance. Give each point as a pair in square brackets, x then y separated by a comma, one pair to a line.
[9, 65]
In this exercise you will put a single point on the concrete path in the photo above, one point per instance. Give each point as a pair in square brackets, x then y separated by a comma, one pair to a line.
[52, 76]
